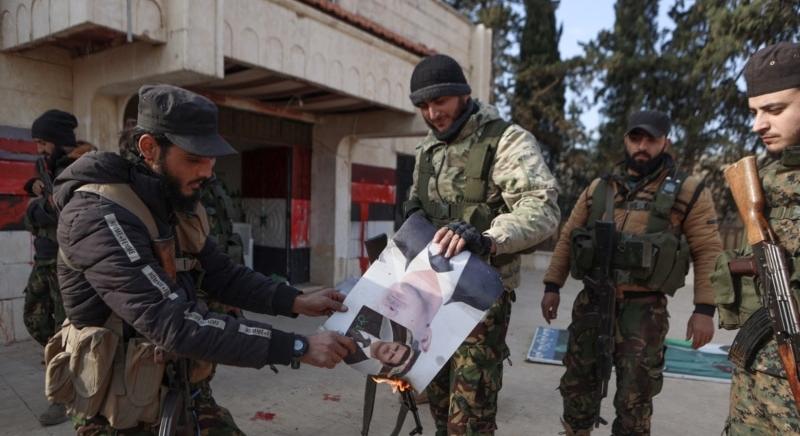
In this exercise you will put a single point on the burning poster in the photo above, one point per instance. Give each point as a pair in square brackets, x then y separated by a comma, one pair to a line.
[413, 307]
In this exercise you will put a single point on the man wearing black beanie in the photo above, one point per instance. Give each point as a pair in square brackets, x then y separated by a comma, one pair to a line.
[53, 133]
[483, 182]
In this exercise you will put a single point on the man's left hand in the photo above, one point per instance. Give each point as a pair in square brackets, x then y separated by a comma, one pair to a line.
[457, 236]
[700, 329]
[320, 303]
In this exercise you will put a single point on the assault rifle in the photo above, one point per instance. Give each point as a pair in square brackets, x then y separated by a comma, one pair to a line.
[603, 292]
[47, 181]
[772, 267]
[177, 417]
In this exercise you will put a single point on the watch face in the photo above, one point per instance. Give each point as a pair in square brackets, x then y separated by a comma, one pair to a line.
[298, 345]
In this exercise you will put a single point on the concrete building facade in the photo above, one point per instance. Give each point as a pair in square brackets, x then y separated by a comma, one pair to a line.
[313, 94]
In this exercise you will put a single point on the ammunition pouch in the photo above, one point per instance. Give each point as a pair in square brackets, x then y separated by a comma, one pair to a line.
[581, 252]
[472, 207]
[92, 371]
[735, 294]
[658, 261]
[753, 335]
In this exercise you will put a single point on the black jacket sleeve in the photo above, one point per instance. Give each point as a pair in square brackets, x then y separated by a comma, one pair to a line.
[239, 286]
[112, 249]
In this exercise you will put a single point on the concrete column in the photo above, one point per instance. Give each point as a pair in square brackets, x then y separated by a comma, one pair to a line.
[333, 137]
[481, 62]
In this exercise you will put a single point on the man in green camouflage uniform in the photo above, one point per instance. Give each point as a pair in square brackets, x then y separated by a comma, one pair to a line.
[761, 402]
[484, 183]
[651, 204]
[43, 313]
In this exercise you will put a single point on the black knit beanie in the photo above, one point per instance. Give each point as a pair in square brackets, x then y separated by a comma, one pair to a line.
[57, 127]
[436, 76]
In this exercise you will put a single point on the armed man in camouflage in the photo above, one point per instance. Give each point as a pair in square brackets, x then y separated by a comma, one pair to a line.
[484, 182]
[655, 207]
[43, 313]
[761, 402]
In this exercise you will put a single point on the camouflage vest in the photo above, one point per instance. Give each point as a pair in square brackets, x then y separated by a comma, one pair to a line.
[473, 207]
[658, 259]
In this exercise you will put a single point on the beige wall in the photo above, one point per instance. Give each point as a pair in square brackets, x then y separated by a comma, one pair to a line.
[439, 27]
[33, 82]
[27, 22]
[430, 22]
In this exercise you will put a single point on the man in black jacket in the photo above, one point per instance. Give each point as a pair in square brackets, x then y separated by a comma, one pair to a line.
[53, 133]
[108, 264]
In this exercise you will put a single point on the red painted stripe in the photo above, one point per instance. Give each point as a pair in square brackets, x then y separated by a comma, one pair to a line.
[373, 193]
[18, 146]
[372, 174]
[301, 173]
[12, 212]
[14, 176]
[300, 218]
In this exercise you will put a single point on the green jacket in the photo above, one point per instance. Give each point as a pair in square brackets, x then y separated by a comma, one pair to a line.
[518, 179]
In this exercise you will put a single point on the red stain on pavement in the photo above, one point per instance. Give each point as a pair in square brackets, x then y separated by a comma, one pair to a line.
[263, 416]
[331, 397]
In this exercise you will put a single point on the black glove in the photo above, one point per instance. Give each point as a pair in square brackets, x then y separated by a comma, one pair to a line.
[476, 242]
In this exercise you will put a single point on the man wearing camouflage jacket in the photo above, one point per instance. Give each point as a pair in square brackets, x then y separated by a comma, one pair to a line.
[483, 181]
[657, 208]
[761, 401]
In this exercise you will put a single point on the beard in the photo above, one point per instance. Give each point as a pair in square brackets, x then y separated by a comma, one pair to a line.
[172, 191]
[644, 167]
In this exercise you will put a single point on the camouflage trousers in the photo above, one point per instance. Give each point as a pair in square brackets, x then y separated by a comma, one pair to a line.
[43, 313]
[463, 396]
[762, 403]
[641, 327]
[212, 419]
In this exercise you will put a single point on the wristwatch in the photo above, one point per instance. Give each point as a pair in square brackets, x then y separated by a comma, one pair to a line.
[299, 350]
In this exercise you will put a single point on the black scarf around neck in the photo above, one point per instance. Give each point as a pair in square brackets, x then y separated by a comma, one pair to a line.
[455, 128]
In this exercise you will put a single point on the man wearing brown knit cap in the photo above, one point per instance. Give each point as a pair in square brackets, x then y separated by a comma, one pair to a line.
[761, 401]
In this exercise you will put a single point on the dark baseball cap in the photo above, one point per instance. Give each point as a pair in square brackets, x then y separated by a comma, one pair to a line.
[187, 119]
[772, 69]
[655, 123]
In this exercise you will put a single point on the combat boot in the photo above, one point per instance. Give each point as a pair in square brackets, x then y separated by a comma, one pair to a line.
[54, 415]
[568, 431]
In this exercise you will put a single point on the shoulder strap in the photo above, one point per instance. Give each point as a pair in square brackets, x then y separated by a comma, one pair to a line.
[123, 195]
[600, 199]
[693, 200]
[426, 172]
[658, 221]
[479, 160]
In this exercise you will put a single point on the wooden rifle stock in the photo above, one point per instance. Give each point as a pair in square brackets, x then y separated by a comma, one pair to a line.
[745, 185]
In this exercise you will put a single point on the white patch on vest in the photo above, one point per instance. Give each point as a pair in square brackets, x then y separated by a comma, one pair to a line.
[121, 237]
[255, 331]
[172, 296]
[202, 322]
[156, 281]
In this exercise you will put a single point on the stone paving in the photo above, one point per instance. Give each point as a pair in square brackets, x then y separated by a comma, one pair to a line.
[313, 401]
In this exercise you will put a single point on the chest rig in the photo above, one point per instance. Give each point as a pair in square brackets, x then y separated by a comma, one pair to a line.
[471, 205]
[657, 259]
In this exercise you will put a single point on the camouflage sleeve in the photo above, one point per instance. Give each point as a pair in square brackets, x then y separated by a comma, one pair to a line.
[528, 189]
[558, 269]
[412, 192]
[702, 233]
